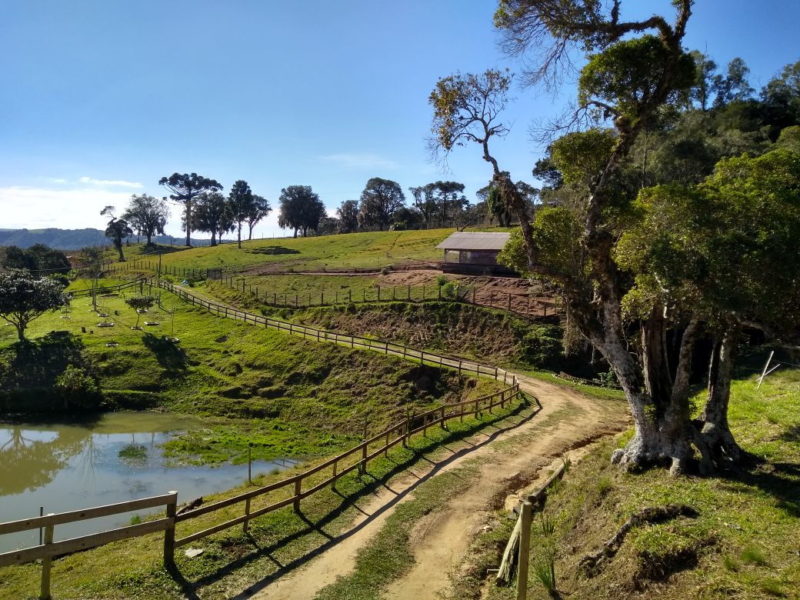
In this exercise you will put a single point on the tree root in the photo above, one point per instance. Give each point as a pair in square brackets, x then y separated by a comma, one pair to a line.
[592, 563]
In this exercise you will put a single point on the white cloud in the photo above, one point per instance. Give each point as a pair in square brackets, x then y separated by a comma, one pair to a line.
[109, 182]
[359, 161]
[34, 208]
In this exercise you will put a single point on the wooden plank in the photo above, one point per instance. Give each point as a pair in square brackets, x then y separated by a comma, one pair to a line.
[18, 557]
[202, 510]
[86, 513]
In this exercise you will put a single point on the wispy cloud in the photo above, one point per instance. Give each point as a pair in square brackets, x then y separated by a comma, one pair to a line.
[359, 161]
[110, 182]
[34, 207]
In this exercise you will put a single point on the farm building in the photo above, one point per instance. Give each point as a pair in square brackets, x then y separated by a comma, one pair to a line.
[474, 252]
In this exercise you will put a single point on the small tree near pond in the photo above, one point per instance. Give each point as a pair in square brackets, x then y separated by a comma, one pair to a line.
[140, 303]
[24, 297]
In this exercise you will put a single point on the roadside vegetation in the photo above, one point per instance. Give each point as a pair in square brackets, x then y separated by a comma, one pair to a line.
[288, 397]
[742, 543]
[232, 561]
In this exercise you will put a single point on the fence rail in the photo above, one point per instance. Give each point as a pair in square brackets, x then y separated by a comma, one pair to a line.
[50, 549]
[357, 457]
[354, 341]
[521, 305]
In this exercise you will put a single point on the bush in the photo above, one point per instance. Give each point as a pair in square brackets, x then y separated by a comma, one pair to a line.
[450, 290]
[78, 389]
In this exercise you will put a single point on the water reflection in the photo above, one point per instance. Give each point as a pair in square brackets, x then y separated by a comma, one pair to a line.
[115, 458]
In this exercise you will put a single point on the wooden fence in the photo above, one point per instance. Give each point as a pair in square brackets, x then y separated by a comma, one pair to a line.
[519, 304]
[49, 549]
[298, 486]
[353, 341]
[339, 466]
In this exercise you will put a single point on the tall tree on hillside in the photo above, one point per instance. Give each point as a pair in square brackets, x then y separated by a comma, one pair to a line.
[91, 265]
[733, 86]
[185, 187]
[425, 203]
[259, 209]
[633, 70]
[449, 199]
[147, 215]
[116, 230]
[240, 201]
[301, 209]
[23, 297]
[348, 216]
[212, 215]
[379, 201]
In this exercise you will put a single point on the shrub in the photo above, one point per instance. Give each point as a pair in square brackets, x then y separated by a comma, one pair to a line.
[78, 388]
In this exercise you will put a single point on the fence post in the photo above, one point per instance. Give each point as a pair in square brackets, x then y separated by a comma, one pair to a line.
[47, 562]
[441, 424]
[297, 487]
[169, 532]
[524, 550]
[246, 514]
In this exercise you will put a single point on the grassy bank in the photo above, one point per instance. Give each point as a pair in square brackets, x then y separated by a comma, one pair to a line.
[353, 250]
[743, 542]
[232, 562]
[289, 396]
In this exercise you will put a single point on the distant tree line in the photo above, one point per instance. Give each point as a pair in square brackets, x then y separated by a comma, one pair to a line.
[383, 206]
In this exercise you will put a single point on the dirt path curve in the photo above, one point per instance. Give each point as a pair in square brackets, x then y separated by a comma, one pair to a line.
[442, 538]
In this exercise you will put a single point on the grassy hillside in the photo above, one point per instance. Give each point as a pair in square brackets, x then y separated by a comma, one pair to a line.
[743, 543]
[353, 250]
[292, 397]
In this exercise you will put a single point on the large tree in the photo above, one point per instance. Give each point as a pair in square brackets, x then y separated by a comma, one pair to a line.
[116, 230]
[240, 201]
[301, 209]
[259, 209]
[379, 201]
[448, 196]
[348, 216]
[185, 187]
[212, 215]
[425, 202]
[147, 215]
[634, 69]
[23, 297]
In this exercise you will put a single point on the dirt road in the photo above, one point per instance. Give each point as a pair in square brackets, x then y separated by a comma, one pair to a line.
[568, 420]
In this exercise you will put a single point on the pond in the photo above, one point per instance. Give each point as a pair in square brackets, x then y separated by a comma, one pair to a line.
[117, 457]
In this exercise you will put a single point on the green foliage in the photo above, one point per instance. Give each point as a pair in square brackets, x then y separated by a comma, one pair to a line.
[212, 214]
[78, 389]
[348, 216]
[24, 297]
[628, 73]
[147, 215]
[240, 205]
[380, 200]
[450, 290]
[184, 188]
[301, 209]
[466, 107]
[556, 236]
[722, 248]
[580, 156]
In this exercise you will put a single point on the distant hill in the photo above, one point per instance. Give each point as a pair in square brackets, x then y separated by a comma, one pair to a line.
[71, 239]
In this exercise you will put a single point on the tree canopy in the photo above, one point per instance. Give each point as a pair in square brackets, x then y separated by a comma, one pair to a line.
[147, 215]
[23, 297]
[184, 188]
[380, 199]
[212, 215]
[301, 209]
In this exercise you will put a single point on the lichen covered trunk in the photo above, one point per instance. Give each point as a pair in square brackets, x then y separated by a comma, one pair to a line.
[714, 420]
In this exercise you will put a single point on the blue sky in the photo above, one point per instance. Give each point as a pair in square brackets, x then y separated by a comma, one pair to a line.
[102, 98]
